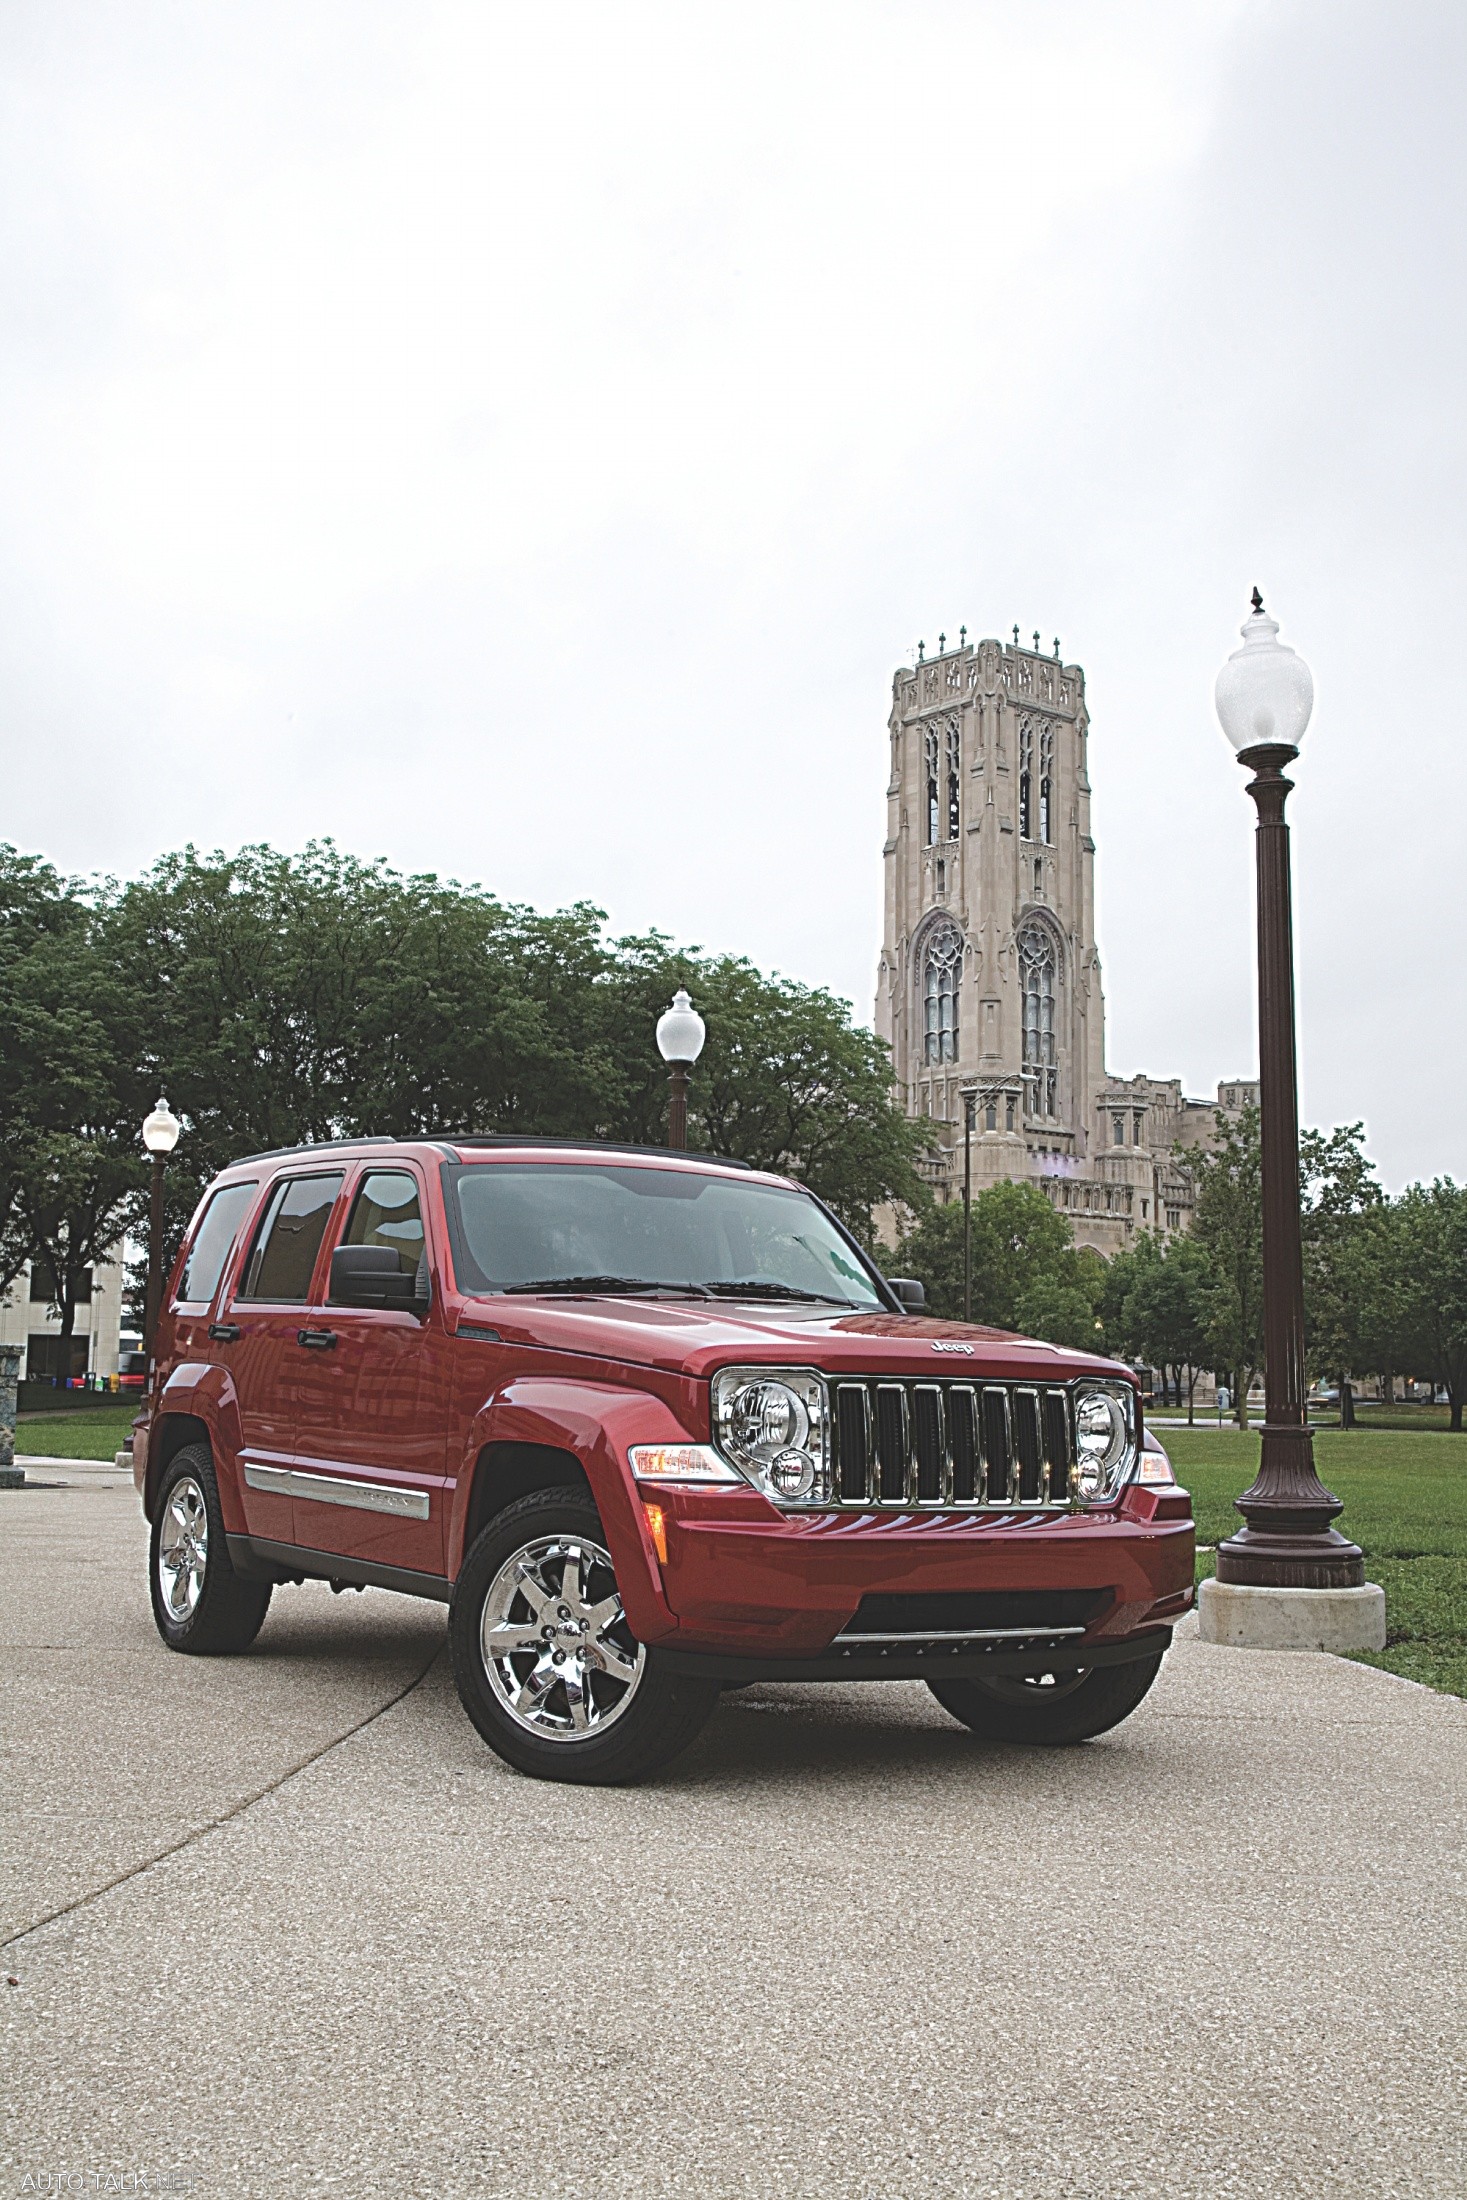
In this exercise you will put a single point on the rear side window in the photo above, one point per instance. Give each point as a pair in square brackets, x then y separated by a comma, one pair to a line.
[212, 1240]
[283, 1258]
[386, 1213]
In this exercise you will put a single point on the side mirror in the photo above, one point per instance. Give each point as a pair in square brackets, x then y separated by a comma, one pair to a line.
[910, 1292]
[371, 1275]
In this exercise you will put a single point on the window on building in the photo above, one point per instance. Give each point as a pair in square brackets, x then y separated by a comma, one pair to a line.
[1144, 1207]
[43, 1286]
[990, 1116]
[1046, 777]
[1037, 969]
[942, 969]
[1026, 779]
[1174, 1218]
[930, 749]
[939, 874]
[1009, 1111]
[954, 776]
[1118, 1130]
[1138, 1125]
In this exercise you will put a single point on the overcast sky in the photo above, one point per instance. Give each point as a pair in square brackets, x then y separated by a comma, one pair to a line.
[522, 443]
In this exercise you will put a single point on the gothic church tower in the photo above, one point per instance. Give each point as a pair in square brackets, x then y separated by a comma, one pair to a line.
[988, 990]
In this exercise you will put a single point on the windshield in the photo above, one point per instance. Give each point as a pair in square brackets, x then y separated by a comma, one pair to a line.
[552, 1225]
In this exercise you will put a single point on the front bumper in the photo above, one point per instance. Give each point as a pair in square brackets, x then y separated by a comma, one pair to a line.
[746, 1582]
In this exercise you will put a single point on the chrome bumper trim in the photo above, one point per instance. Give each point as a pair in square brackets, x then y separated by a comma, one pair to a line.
[957, 1634]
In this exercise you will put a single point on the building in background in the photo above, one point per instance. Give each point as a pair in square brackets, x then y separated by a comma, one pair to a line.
[989, 981]
[29, 1317]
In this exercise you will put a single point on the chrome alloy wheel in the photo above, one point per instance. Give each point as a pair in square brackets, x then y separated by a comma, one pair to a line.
[183, 1549]
[555, 1641]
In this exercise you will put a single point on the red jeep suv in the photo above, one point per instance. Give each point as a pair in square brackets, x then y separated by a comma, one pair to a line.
[652, 1426]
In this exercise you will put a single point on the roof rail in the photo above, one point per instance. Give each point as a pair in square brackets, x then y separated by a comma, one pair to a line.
[588, 1145]
[448, 1141]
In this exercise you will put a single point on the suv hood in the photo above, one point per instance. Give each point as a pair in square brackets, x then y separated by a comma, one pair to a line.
[697, 1337]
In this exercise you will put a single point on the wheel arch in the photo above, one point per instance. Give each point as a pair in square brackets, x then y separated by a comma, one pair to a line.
[507, 1469]
[171, 1435]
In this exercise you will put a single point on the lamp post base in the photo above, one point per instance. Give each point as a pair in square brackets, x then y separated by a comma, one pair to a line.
[1248, 1618]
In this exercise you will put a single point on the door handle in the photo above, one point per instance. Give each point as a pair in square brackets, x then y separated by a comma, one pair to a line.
[317, 1340]
[225, 1332]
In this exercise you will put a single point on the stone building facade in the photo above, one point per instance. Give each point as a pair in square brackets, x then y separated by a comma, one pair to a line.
[989, 989]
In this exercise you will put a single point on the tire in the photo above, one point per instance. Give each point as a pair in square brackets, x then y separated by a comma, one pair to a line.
[201, 1605]
[565, 1692]
[1054, 1710]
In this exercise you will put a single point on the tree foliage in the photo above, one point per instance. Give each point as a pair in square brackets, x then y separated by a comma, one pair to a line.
[278, 999]
[1028, 1274]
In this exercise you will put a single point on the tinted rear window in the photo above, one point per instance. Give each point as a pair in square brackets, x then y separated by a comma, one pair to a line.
[283, 1258]
[212, 1240]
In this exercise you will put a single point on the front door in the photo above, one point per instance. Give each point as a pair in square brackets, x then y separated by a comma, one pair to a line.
[370, 1429]
[270, 1311]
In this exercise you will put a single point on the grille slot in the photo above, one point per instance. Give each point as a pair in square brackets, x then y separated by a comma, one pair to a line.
[1002, 1445]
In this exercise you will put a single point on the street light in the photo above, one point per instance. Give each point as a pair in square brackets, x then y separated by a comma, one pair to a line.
[680, 1035]
[970, 1114]
[160, 1136]
[1287, 1579]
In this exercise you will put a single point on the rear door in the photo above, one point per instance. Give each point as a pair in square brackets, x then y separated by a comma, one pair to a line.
[370, 1426]
[271, 1312]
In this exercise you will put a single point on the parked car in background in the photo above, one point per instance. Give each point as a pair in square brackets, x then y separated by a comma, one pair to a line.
[652, 1426]
[132, 1370]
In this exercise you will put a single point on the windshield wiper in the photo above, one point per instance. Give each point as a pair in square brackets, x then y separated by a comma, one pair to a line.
[754, 1288]
[593, 1284]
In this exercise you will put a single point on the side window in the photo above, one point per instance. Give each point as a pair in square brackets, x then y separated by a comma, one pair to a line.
[386, 1213]
[283, 1257]
[212, 1240]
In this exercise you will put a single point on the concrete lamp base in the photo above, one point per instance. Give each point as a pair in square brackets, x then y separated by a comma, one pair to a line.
[12, 1478]
[1292, 1619]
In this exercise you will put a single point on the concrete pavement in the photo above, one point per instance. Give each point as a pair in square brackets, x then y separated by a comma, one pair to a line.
[311, 1934]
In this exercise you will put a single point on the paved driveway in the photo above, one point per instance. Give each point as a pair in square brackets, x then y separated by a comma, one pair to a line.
[292, 1928]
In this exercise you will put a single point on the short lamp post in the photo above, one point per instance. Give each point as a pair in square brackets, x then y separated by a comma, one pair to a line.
[160, 1136]
[1287, 1579]
[680, 1035]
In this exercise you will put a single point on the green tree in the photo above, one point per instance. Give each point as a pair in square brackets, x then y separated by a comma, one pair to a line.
[1166, 1298]
[1228, 1224]
[1421, 1287]
[1027, 1274]
[70, 1167]
[1340, 1202]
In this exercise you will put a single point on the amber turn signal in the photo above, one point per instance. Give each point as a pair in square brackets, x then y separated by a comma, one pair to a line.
[657, 1529]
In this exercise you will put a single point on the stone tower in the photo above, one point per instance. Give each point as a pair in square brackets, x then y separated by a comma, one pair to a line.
[989, 987]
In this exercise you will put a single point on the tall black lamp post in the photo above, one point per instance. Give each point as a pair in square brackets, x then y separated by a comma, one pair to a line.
[970, 1118]
[160, 1136]
[1271, 1574]
[680, 1035]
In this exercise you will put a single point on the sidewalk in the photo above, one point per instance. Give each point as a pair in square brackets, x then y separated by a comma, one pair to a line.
[314, 1936]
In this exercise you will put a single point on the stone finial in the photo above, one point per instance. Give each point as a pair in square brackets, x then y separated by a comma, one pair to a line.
[1036, 641]
[921, 651]
[962, 637]
[1016, 637]
[941, 644]
[1056, 649]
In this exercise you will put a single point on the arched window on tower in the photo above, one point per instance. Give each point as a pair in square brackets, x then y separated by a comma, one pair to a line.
[954, 776]
[933, 762]
[1026, 779]
[1046, 777]
[942, 971]
[1037, 972]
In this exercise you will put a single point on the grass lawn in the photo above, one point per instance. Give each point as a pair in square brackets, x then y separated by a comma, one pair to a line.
[1405, 1497]
[94, 1433]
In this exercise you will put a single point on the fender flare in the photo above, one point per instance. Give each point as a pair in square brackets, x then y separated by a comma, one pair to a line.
[200, 1391]
[594, 1422]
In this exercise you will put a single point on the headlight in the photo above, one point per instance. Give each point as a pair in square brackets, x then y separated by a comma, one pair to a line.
[1105, 1441]
[773, 1427]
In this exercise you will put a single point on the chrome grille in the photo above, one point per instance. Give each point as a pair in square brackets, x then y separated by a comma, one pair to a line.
[947, 1443]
